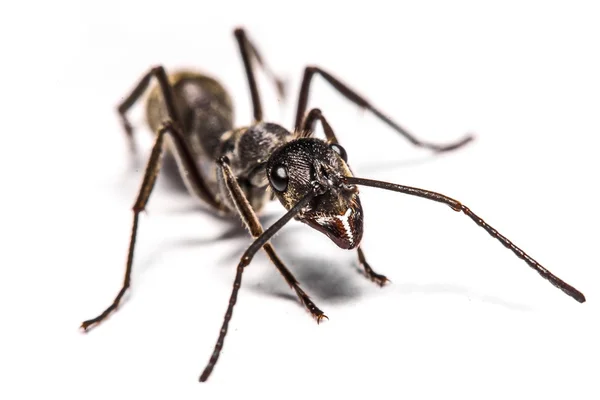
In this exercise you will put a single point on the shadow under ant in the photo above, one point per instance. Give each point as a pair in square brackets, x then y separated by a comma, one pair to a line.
[330, 281]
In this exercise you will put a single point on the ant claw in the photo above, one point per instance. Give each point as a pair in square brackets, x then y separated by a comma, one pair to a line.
[320, 317]
[380, 280]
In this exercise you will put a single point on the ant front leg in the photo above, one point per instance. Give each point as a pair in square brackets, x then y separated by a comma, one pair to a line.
[308, 128]
[251, 221]
[360, 101]
[193, 179]
[245, 260]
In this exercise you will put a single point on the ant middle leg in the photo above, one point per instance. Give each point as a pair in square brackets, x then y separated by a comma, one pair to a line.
[379, 279]
[193, 179]
[251, 221]
[360, 101]
[247, 49]
[308, 127]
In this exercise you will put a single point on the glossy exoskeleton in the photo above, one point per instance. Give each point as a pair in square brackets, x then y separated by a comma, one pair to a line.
[236, 171]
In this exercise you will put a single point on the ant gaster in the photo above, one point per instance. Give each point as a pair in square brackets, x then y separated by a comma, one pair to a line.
[236, 171]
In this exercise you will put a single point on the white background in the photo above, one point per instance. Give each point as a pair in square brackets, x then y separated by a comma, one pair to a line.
[464, 318]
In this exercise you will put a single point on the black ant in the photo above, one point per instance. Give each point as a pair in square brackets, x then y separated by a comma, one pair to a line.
[236, 171]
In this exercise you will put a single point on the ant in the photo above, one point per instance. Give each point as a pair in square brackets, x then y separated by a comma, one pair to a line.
[236, 171]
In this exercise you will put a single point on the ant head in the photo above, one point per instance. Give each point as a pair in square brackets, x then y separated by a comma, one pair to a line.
[307, 164]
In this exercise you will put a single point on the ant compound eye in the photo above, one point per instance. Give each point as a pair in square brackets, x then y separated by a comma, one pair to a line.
[279, 178]
[340, 150]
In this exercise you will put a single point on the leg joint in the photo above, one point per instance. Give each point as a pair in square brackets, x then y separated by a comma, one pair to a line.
[167, 126]
[158, 69]
[223, 161]
[239, 32]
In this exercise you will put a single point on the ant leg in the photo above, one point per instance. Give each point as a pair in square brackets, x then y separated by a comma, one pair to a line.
[161, 76]
[247, 49]
[379, 279]
[245, 260]
[310, 122]
[308, 127]
[251, 221]
[150, 175]
[362, 102]
[185, 161]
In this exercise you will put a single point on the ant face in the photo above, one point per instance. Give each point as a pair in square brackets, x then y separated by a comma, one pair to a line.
[304, 164]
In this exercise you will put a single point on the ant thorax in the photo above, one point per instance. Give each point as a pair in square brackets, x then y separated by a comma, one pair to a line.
[248, 149]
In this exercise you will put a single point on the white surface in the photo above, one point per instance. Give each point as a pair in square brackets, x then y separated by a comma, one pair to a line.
[464, 318]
